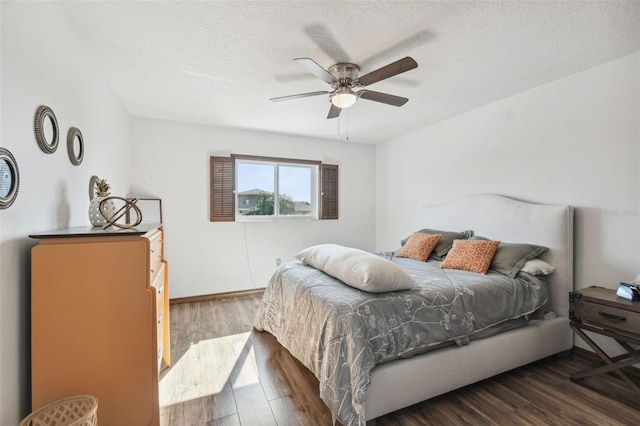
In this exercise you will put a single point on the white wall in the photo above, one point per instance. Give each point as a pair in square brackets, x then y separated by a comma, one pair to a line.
[43, 62]
[573, 141]
[171, 161]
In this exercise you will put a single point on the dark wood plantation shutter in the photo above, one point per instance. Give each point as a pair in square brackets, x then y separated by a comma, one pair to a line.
[222, 207]
[329, 191]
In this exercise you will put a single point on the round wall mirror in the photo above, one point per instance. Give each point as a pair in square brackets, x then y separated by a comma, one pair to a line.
[9, 179]
[75, 146]
[46, 128]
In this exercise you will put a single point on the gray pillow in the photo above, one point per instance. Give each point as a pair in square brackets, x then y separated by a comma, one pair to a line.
[446, 242]
[511, 257]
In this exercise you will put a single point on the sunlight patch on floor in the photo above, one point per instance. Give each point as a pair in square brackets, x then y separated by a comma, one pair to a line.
[205, 368]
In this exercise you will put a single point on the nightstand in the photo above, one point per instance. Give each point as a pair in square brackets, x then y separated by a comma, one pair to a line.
[599, 310]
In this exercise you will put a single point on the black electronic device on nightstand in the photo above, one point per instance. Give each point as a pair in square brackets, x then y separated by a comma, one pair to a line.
[628, 291]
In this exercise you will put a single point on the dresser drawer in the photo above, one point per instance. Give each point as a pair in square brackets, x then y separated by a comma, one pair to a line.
[610, 314]
[159, 285]
[158, 278]
[608, 317]
[160, 351]
[156, 251]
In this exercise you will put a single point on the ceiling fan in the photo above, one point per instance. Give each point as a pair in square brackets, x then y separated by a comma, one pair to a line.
[343, 78]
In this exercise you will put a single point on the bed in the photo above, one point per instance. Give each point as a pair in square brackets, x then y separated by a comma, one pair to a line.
[357, 372]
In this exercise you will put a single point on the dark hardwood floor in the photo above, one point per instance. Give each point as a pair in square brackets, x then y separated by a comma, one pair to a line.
[226, 373]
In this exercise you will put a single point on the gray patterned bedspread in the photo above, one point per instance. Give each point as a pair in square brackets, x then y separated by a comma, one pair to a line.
[340, 333]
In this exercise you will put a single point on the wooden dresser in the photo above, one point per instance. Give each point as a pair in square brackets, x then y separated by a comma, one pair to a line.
[100, 320]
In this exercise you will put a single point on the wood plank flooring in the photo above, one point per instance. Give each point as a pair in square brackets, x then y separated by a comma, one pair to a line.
[225, 373]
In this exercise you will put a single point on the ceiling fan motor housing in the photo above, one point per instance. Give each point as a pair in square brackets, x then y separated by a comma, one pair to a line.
[345, 72]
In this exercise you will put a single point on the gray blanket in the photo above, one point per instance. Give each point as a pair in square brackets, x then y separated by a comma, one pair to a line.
[341, 333]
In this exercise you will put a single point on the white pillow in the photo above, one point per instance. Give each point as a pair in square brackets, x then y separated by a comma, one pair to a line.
[537, 267]
[357, 268]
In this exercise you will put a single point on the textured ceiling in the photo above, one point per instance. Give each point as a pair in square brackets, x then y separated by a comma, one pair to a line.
[218, 63]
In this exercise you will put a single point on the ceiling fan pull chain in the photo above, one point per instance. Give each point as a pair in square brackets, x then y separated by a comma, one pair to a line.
[347, 126]
[340, 127]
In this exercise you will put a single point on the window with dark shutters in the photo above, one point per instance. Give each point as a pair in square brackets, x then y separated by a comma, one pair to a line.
[223, 197]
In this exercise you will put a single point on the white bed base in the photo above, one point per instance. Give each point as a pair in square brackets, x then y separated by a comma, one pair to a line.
[401, 383]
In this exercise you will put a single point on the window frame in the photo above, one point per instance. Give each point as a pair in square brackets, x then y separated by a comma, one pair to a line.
[277, 163]
[223, 197]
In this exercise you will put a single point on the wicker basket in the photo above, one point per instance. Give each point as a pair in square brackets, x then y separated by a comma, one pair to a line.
[79, 410]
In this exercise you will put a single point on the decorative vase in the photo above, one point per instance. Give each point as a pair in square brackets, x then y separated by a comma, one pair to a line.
[95, 216]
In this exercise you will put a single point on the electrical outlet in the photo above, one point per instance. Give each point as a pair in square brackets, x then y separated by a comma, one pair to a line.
[278, 261]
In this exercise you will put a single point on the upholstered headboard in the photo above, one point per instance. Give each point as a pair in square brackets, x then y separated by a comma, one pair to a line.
[506, 219]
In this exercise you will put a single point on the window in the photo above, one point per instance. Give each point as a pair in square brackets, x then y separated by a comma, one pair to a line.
[276, 190]
[247, 188]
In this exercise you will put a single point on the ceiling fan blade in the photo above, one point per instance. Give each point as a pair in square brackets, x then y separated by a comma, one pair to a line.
[322, 36]
[312, 66]
[384, 98]
[334, 112]
[300, 95]
[394, 68]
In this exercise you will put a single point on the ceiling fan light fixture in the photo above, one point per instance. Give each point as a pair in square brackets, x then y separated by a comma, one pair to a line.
[344, 97]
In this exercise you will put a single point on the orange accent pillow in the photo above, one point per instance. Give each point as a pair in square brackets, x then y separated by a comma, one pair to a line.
[419, 246]
[470, 255]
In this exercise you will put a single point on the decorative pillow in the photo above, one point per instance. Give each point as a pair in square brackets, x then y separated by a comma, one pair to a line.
[470, 255]
[419, 246]
[511, 257]
[446, 241]
[538, 267]
[357, 268]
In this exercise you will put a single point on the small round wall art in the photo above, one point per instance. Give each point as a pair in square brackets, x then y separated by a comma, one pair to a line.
[9, 178]
[46, 128]
[75, 146]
